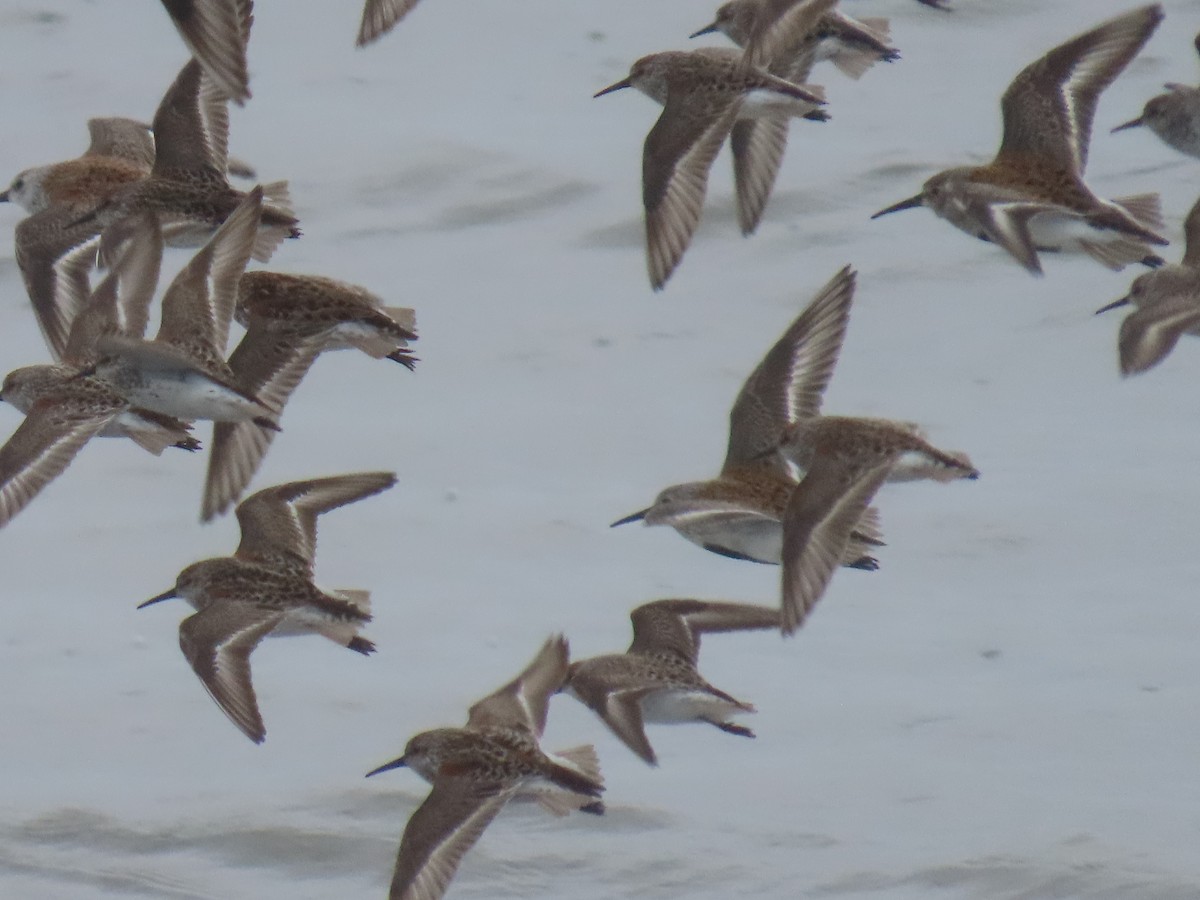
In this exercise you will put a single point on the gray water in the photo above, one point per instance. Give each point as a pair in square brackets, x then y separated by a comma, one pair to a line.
[1007, 709]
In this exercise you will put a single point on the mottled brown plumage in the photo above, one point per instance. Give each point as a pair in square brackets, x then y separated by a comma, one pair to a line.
[1032, 197]
[477, 769]
[656, 679]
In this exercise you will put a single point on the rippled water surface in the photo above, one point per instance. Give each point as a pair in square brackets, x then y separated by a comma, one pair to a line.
[1006, 709]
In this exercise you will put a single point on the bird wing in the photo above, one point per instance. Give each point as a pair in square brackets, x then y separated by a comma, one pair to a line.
[676, 625]
[678, 153]
[268, 364]
[198, 306]
[524, 701]
[1049, 107]
[791, 379]
[283, 519]
[124, 139]
[379, 17]
[191, 126]
[217, 641]
[823, 510]
[440, 833]
[120, 304]
[44, 445]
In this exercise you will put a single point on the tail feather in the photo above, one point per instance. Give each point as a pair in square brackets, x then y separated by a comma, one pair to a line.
[359, 598]
[584, 759]
[854, 63]
[880, 25]
[1116, 254]
[1146, 208]
[403, 316]
[277, 194]
[575, 781]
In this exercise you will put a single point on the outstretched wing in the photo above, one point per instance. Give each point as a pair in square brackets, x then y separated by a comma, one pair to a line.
[281, 521]
[523, 702]
[822, 512]
[441, 832]
[1049, 107]
[675, 626]
[217, 641]
[791, 379]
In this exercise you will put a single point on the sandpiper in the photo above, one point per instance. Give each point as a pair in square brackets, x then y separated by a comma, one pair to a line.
[187, 187]
[656, 679]
[785, 38]
[216, 33]
[56, 255]
[1173, 116]
[852, 45]
[379, 17]
[120, 305]
[1032, 197]
[1167, 303]
[477, 769]
[290, 320]
[343, 315]
[63, 409]
[264, 589]
[847, 460]
[740, 512]
[183, 372]
[702, 93]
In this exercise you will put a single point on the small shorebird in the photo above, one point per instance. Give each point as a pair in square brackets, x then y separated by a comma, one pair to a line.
[265, 589]
[847, 460]
[289, 321]
[183, 372]
[1031, 197]
[188, 188]
[477, 769]
[64, 410]
[56, 255]
[1173, 116]
[703, 93]
[344, 315]
[787, 38]
[1167, 306]
[216, 33]
[852, 45]
[656, 679]
[740, 512]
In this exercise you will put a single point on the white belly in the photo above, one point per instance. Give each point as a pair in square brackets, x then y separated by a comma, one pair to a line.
[1059, 231]
[759, 539]
[675, 705]
[191, 396]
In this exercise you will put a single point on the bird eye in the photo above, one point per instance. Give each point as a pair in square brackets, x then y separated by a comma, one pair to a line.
[18, 184]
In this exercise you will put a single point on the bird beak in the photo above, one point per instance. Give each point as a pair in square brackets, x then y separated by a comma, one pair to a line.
[632, 517]
[623, 83]
[387, 767]
[1132, 123]
[910, 203]
[1114, 305]
[166, 595]
[707, 29]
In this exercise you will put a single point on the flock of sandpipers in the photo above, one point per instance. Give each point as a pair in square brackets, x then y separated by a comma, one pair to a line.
[796, 485]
